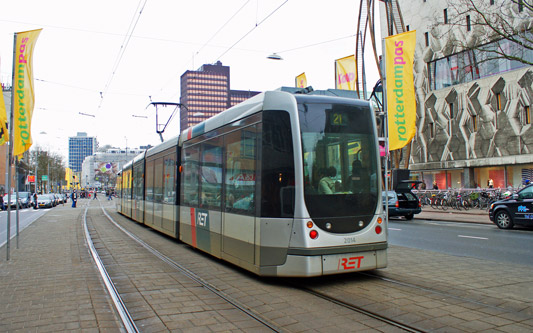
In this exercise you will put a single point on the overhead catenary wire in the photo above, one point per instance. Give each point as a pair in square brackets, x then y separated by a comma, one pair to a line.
[207, 42]
[123, 47]
[250, 31]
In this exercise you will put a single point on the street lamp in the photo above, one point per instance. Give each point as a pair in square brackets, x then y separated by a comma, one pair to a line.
[274, 56]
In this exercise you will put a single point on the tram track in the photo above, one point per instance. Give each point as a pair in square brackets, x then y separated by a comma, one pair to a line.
[246, 309]
[126, 317]
[341, 291]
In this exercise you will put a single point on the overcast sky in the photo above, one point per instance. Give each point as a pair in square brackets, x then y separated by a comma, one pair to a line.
[84, 61]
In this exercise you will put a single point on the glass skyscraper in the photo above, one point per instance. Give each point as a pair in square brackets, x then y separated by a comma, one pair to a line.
[79, 147]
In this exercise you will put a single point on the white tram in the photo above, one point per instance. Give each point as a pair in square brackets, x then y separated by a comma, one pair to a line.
[282, 184]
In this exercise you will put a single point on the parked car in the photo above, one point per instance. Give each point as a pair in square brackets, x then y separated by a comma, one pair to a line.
[13, 201]
[25, 199]
[402, 201]
[518, 209]
[45, 200]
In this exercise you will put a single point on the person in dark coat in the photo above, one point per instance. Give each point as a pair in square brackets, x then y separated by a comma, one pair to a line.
[74, 197]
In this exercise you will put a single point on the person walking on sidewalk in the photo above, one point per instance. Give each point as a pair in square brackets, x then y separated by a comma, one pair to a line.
[35, 202]
[74, 197]
[94, 195]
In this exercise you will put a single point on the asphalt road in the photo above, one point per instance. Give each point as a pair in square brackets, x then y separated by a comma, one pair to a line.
[465, 239]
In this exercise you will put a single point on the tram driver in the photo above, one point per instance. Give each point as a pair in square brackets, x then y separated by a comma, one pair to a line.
[327, 185]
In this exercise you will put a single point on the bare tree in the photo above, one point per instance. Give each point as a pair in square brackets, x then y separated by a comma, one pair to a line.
[497, 28]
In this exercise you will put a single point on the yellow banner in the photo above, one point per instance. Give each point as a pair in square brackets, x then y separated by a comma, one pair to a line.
[4, 134]
[301, 81]
[345, 73]
[23, 93]
[401, 104]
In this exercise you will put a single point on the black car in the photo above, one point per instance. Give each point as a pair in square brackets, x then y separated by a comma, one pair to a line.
[402, 201]
[516, 210]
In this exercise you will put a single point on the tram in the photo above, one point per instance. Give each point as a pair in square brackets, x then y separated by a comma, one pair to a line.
[283, 184]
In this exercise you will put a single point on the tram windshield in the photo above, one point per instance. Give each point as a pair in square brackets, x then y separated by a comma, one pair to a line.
[340, 159]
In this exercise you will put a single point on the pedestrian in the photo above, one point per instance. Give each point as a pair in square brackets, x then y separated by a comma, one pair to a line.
[491, 183]
[35, 202]
[2, 206]
[435, 186]
[94, 195]
[74, 197]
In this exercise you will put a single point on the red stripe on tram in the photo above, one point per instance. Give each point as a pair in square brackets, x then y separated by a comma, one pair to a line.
[193, 228]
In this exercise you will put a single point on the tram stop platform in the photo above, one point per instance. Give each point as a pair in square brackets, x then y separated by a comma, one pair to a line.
[50, 283]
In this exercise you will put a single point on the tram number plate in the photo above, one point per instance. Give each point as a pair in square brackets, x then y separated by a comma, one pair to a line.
[349, 262]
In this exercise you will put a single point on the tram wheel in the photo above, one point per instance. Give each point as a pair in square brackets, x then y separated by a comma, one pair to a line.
[503, 220]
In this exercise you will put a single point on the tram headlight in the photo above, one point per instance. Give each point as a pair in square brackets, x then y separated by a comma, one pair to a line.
[313, 234]
[328, 226]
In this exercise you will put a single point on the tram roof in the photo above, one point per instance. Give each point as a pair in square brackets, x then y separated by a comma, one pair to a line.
[163, 146]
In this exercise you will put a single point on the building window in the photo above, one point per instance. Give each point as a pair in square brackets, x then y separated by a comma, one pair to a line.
[520, 6]
[445, 15]
[468, 25]
[407, 27]
[527, 115]
[431, 130]
[498, 102]
[426, 37]
[450, 107]
[470, 65]
[474, 123]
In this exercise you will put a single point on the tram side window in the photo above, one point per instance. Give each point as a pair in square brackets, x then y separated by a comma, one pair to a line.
[190, 162]
[241, 150]
[138, 182]
[149, 181]
[158, 181]
[169, 174]
[211, 174]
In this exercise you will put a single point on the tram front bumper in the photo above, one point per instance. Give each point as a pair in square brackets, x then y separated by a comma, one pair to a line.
[306, 266]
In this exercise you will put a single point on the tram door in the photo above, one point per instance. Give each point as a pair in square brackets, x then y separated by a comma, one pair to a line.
[239, 205]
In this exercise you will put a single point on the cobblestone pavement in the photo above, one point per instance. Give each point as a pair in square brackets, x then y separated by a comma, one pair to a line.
[51, 284]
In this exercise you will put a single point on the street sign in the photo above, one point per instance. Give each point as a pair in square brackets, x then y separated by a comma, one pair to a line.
[31, 179]
[44, 178]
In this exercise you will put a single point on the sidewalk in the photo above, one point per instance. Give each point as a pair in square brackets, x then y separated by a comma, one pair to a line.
[50, 284]
[452, 215]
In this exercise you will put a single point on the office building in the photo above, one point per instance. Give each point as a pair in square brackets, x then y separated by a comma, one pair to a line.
[206, 92]
[473, 106]
[79, 147]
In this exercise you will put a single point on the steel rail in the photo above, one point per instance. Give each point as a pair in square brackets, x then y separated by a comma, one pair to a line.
[251, 313]
[127, 320]
[360, 310]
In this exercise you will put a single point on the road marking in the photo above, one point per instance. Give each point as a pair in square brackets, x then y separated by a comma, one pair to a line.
[395, 229]
[473, 237]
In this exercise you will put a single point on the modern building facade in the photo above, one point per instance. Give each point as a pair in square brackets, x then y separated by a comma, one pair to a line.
[206, 92]
[79, 147]
[473, 108]
[100, 169]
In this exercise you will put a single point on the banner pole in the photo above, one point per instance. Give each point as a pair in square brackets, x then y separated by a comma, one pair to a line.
[386, 125]
[17, 200]
[10, 147]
